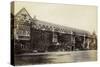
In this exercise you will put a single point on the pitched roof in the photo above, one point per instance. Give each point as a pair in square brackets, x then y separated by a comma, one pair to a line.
[63, 28]
[56, 26]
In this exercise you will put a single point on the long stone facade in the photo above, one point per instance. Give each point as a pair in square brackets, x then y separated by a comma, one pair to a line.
[33, 35]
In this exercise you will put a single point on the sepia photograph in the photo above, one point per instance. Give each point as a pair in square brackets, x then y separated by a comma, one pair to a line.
[50, 33]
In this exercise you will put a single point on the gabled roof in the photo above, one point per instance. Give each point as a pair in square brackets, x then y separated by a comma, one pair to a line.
[64, 28]
[24, 12]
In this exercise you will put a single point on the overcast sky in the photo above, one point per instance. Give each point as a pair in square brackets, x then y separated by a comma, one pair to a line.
[76, 16]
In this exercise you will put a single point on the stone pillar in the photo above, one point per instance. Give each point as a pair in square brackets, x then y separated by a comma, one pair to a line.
[84, 43]
[72, 40]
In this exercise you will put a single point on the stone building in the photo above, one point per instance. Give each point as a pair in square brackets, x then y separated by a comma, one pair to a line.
[33, 34]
